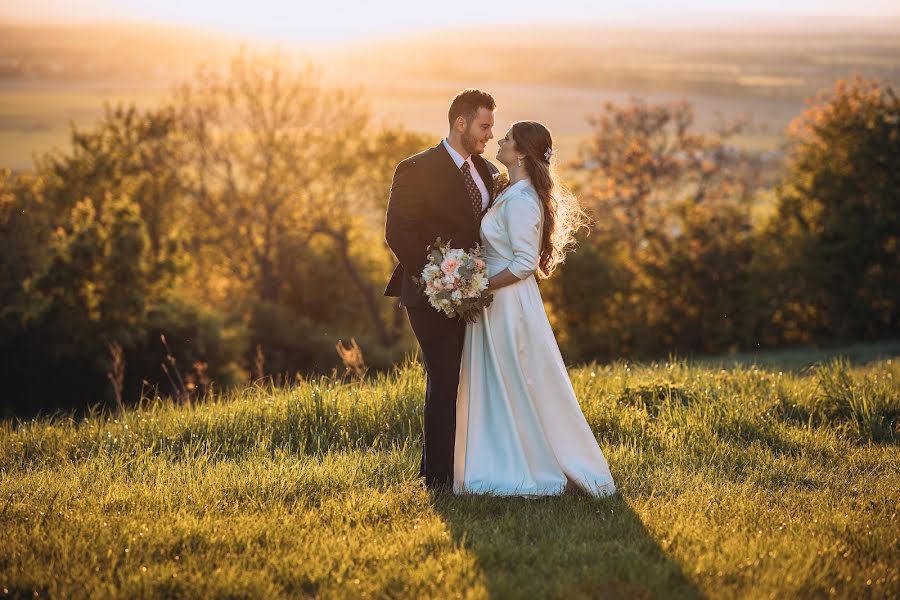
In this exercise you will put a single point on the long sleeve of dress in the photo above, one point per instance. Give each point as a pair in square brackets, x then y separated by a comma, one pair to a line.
[524, 222]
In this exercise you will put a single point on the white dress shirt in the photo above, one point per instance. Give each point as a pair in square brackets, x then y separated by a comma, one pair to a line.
[476, 176]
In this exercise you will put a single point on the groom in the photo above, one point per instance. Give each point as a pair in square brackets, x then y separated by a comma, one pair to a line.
[441, 192]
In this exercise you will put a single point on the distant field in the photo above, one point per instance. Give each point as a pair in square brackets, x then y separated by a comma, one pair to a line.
[423, 106]
[39, 118]
[51, 77]
[35, 119]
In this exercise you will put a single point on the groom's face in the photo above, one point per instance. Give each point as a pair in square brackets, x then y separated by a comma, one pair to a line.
[479, 131]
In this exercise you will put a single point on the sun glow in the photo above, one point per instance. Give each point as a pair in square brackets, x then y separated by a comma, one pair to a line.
[342, 20]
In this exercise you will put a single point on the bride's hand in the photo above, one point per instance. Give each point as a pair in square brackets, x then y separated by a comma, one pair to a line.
[501, 280]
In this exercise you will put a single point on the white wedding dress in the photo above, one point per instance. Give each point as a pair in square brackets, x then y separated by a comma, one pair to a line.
[519, 428]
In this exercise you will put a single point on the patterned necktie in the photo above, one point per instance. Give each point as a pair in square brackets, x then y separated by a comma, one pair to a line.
[472, 189]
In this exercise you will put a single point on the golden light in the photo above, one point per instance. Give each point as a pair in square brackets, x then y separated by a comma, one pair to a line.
[342, 20]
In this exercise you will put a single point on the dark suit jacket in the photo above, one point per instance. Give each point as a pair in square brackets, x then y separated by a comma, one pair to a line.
[429, 200]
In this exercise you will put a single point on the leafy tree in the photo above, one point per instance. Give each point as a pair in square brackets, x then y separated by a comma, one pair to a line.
[26, 224]
[267, 148]
[95, 287]
[246, 210]
[279, 168]
[836, 250]
[128, 152]
[671, 238]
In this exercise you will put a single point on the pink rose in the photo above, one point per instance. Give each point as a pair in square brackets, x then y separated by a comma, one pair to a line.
[449, 265]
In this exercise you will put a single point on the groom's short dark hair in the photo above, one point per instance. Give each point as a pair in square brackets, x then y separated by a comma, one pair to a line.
[467, 103]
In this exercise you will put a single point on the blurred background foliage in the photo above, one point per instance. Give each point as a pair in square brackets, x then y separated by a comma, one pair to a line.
[242, 219]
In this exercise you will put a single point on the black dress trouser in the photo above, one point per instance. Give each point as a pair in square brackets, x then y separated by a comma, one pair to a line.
[441, 340]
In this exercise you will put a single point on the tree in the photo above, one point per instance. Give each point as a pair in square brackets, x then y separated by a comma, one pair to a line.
[838, 216]
[278, 162]
[95, 287]
[82, 270]
[671, 237]
[26, 223]
[267, 147]
[246, 210]
[128, 152]
[362, 208]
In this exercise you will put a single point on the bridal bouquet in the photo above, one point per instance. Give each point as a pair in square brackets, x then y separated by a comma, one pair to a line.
[455, 281]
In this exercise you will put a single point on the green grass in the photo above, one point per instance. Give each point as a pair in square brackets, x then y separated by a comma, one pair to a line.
[733, 482]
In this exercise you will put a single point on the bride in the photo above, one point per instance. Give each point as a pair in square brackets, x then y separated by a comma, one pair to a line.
[519, 428]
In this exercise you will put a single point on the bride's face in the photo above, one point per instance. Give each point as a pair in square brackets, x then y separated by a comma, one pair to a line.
[507, 154]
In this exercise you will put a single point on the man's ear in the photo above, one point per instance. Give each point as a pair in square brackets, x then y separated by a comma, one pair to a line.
[460, 124]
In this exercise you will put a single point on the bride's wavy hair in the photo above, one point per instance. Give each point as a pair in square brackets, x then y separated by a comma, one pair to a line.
[563, 216]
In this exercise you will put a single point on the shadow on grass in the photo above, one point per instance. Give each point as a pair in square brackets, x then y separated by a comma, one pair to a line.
[571, 546]
[801, 358]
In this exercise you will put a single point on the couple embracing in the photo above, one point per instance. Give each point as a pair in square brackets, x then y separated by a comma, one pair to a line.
[501, 416]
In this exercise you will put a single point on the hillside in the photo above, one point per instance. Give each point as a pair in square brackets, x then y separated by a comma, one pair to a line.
[733, 482]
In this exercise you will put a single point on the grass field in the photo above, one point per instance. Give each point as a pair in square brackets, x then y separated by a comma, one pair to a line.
[738, 481]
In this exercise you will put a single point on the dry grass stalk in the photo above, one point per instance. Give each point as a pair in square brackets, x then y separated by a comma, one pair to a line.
[353, 359]
[259, 364]
[116, 375]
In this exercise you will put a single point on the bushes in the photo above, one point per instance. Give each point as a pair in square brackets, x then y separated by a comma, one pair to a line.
[833, 239]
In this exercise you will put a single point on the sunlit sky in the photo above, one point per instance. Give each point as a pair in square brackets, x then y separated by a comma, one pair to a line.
[336, 20]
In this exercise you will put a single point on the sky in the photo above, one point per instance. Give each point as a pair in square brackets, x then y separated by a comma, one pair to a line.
[338, 20]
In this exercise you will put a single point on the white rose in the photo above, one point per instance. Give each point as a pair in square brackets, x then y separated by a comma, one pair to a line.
[431, 272]
[457, 254]
[479, 281]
